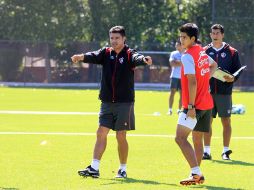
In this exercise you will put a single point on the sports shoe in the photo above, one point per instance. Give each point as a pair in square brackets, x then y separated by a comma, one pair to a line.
[178, 111]
[121, 174]
[169, 112]
[225, 155]
[207, 156]
[89, 172]
[193, 180]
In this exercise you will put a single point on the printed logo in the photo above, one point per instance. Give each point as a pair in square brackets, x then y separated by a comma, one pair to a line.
[125, 124]
[204, 71]
[112, 57]
[211, 53]
[121, 60]
[201, 54]
[223, 55]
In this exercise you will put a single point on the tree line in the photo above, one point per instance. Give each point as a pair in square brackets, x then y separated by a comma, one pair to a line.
[150, 24]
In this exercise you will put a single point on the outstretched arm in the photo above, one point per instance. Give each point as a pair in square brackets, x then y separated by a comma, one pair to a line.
[139, 59]
[77, 57]
[95, 57]
[148, 60]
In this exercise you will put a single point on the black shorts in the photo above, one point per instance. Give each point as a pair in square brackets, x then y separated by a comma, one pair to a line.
[117, 116]
[175, 83]
[203, 120]
[222, 105]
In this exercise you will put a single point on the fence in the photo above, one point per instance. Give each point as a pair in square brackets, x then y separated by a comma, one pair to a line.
[43, 62]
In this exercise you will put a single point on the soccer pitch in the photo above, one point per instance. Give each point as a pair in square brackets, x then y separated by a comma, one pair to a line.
[47, 135]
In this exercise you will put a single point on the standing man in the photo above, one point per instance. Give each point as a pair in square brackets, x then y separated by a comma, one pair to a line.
[197, 68]
[227, 59]
[116, 95]
[175, 77]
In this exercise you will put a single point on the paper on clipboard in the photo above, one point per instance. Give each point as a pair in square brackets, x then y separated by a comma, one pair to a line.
[219, 73]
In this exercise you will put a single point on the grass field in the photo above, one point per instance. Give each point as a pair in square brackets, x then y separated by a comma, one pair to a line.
[39, 150]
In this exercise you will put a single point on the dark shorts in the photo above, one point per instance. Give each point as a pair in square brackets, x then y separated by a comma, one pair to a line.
[222, 105]
[203, 120]
[175, 83]
[117, 116]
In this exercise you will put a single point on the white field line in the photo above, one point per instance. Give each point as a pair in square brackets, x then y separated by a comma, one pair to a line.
[60, 113]
[47, 112]
[93, 134]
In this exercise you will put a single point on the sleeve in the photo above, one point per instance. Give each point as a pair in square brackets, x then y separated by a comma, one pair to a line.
[136, 59]
[188, 64]
[236, 64]
[172, 56]
[210, 60]
[95, 57]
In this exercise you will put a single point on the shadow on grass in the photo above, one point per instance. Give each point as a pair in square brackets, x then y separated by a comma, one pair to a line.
[233, 162]
[132, 180]
[8, 188]
[215, 188]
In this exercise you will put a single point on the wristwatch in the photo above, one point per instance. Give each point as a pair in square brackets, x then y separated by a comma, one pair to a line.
[190, 106]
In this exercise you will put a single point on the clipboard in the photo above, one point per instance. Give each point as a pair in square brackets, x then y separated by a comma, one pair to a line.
[220, 73]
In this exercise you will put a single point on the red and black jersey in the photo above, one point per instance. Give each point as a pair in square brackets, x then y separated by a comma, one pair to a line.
[203, 100]
[227, 58]
[117, 80]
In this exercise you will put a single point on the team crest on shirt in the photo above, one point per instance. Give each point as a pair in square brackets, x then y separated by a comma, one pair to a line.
[223, 55]
[121, 60]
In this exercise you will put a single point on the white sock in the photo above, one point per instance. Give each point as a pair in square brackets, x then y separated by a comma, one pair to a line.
[95, 164]
[170, 110]
[123, 167]
[225, 149]
[196, 170]
[207, 149]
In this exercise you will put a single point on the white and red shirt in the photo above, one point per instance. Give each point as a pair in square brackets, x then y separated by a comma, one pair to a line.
[196, 61]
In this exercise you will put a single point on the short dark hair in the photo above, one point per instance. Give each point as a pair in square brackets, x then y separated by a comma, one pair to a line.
[191, 29]
[218, 27]
[117, 29]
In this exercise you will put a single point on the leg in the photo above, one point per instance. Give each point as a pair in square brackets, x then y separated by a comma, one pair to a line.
[171, 97]
[122, 146]
[197, 138]
[180, 100]
[99, 148]
[182, 134]
[101, 142]
[122, 153]
[227, 130]
[208, 136]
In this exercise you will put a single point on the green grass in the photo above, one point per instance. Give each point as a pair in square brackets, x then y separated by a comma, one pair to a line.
[153, 163]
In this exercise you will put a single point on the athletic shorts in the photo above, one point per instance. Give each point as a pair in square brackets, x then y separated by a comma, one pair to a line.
[175, 83]
[222, 105]
[117, 116]
[201, 123]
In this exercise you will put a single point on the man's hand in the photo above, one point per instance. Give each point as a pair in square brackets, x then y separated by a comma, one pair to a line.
[148, 60]
[78, 57]
[229, 79]
[191, 113]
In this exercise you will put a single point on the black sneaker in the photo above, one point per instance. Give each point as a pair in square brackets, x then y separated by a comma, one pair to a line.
[121, 174]
[225, 155]
[206, 156]
[89, 172]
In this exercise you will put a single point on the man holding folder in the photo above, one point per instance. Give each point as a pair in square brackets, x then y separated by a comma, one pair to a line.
[227, 59]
